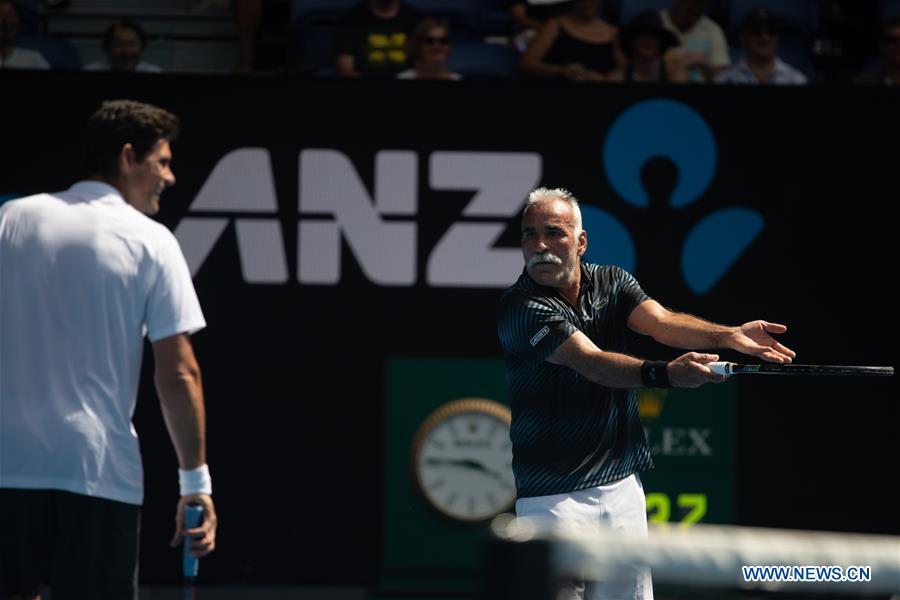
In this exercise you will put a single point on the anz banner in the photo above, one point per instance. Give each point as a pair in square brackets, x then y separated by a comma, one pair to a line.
[378, 222]
[334, 226]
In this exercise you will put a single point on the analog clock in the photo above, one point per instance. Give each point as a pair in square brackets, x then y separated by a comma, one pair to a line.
[461, 459]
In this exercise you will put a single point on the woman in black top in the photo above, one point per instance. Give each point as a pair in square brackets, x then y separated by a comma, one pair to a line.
[577, 45]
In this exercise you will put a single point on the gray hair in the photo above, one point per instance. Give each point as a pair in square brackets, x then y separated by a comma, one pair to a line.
[558, 194]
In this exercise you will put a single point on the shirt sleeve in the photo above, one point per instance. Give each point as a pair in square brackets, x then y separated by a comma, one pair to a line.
[726, 76]
[629, 293]
[172, 305]
[41, 62]
[718, 52]
[531, 329]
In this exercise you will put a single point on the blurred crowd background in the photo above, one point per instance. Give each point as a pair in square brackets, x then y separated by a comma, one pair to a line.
[779, 42]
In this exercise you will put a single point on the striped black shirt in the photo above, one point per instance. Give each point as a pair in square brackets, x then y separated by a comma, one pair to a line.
[569, 433]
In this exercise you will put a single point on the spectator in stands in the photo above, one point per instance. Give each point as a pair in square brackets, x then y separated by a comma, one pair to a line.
[649, 50]
[888, 71]
[429, 49]
[528, 16]
[247, 19]
[261, 27]
[12, 57]
[760, 65]
[371, 38]
[702, 43]
[845, 39]
[124, 43]
[578, 46]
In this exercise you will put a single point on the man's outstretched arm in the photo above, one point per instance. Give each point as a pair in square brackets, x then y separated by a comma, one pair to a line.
[681, 330]
[614, 370]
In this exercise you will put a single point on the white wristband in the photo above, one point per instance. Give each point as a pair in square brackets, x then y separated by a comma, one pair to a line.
[195, 481]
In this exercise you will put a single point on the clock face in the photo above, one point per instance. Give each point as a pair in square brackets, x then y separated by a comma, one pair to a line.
[462, 459]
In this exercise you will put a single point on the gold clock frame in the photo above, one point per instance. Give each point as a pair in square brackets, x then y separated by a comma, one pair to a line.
[449, 409]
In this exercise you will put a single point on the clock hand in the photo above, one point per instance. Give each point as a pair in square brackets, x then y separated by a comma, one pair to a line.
[464, 462]
[455, 462]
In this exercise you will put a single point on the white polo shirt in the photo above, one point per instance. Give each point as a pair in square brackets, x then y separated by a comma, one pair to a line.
[83, 277]
[23, 58]
[704, 37]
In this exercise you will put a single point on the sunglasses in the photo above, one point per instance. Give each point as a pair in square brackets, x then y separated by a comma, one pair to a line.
[441, 41]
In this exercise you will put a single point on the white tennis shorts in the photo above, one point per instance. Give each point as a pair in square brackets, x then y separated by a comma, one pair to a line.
[620, 505]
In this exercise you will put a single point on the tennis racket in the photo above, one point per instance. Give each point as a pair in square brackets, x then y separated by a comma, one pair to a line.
[730, 368]
[193, 515]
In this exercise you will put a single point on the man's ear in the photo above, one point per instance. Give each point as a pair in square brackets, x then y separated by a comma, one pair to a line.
[126, 159]
[582, 243]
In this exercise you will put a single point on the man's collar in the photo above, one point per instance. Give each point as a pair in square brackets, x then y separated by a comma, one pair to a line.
[96, 188]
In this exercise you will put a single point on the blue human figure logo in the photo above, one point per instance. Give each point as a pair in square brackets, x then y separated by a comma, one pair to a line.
[666, 129]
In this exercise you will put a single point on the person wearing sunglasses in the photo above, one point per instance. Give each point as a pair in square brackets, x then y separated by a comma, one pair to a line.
[760, 64]
[429, 50]
[887, 71]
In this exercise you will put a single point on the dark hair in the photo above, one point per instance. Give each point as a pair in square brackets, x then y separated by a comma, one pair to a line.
[120, 122]
[123, 24]
[647, 23]
[759, 19]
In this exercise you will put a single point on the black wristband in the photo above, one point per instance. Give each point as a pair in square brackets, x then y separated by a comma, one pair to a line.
[654, 373]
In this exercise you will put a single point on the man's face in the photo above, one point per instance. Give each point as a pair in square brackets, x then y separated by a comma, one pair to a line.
[144, 181]
[436, 46]
[550, 244]
[9, 24]
[125, 49]
[760, 43]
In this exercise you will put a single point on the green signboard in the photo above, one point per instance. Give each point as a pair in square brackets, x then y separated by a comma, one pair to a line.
[691, 434]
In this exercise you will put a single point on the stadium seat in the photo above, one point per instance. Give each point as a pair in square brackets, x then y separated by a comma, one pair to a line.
[311, 46]
[798, 16]
[59, 53]
[890, 8]
[466, 17]
[479, 60]
[304, 9]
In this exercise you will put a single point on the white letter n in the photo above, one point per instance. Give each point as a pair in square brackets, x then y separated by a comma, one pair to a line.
[330, 186]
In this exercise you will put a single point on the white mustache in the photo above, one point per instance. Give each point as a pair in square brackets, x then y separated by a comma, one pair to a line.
[544, 257]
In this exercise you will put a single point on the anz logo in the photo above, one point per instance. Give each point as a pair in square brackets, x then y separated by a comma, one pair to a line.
[380, 229]
[672, 130]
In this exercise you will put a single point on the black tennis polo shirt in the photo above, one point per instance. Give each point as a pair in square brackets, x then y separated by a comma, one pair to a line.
[569, 433]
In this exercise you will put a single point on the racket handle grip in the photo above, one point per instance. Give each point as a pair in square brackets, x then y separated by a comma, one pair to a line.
[193, 515]
[721, 368]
